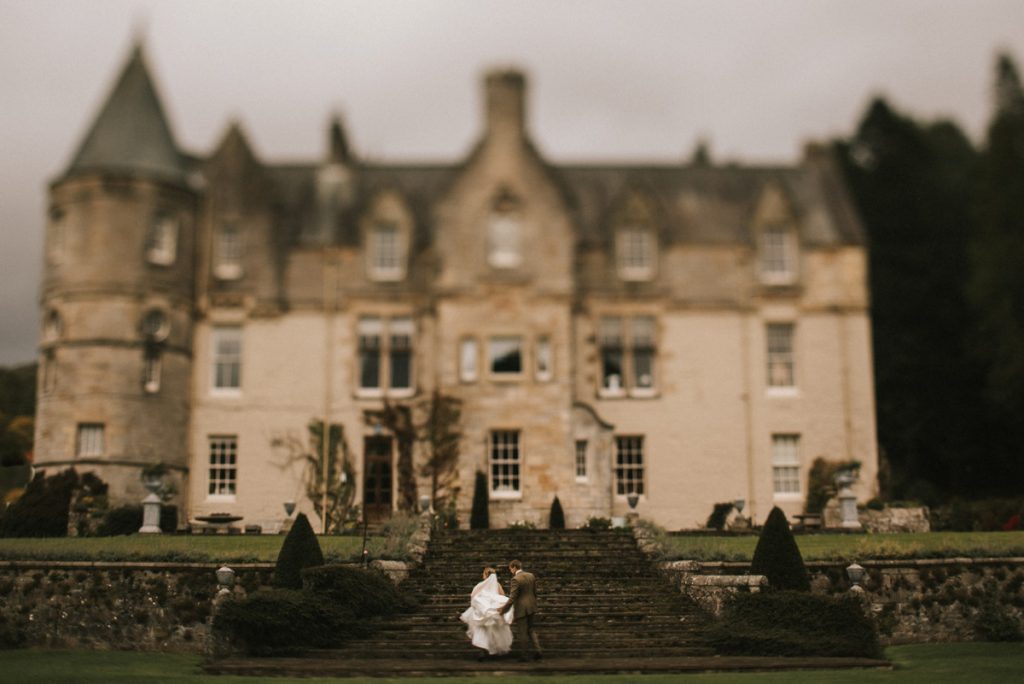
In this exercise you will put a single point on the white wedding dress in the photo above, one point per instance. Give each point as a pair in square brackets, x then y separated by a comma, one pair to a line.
[488, 628]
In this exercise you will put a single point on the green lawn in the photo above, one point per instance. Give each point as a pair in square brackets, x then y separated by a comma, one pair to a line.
[193, 548]
[855, 546]
[920, 664]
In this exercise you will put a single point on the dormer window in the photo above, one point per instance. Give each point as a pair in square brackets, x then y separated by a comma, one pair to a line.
[387, 252]
[777, 254]
[162, 240]
[505, 233]
[228, 252]
[635, 251]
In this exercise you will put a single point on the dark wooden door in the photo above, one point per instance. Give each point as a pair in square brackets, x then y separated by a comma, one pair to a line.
[377, 478]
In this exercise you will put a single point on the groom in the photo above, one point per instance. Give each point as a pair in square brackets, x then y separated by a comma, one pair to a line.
[523, 598]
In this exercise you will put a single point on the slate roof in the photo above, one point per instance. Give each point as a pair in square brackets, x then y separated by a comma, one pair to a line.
[131, 133]
[695, 204]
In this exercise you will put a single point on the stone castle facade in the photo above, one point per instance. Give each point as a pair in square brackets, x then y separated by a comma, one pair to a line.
[690, 333]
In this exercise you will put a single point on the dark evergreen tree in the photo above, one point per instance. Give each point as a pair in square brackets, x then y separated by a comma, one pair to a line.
[997, 280]
[299, 551]
[777, 556]
[42, 511]
[480, 518]
[556, 520]
[912, 184]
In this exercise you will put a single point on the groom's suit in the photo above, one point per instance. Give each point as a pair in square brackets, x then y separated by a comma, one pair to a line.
[523, 599]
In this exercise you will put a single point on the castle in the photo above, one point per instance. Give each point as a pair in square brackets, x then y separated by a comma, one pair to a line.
[690, 333]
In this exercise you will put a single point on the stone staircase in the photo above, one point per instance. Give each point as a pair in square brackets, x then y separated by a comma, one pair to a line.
[603, 608]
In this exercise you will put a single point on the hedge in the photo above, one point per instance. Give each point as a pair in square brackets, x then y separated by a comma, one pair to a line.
[794, 623]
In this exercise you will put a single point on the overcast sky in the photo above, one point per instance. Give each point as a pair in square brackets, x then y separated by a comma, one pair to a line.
[629, 80]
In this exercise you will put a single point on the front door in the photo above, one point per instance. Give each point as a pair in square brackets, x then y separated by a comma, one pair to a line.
[377, 478]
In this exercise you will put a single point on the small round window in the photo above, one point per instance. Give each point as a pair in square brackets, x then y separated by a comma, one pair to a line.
[155, 325]
[52, 326]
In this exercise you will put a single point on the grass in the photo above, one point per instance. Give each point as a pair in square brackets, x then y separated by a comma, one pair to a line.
[177, 548]
[848, 547]
[918, 664]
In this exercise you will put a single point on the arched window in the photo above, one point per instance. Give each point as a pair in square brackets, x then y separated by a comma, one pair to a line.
[53, 326]
[505, 232]
[155, 326]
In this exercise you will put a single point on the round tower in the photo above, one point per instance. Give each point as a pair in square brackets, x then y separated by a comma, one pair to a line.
[117, 298]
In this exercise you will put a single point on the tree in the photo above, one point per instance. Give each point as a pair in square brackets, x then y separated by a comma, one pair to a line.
[996, 286]
[480, 517]
[299, 551]
[777, 556]
[556, 519]
[912, 184]
[42, 511]
[433, 424]
[340, 478]
[17, 413]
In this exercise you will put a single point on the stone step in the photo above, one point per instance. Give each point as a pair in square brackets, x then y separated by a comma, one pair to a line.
[467, 650]
[466, 666]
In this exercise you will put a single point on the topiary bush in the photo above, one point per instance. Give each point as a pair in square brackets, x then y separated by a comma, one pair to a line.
[777, 556]
[480, 518]
[42, 511]
[719, 514]
[286, 622]
[299, 551]
[556, 519]
[794, 623]
[364, 593]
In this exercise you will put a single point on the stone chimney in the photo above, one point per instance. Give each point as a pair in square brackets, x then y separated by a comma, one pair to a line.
[505, 92]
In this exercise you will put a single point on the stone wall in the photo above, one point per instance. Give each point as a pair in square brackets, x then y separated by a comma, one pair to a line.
[914, 601]
[130, 606]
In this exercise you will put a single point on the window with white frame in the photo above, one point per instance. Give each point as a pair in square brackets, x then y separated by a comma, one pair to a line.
[628, 351]
[635, 252]
[385, 354]
[223, 462]
[505, 461]
[581, 460]
[786, 464]
[387, 252]
[227, 359]
[468, 359]
[162, 240]
[89, 440]
[506, 355]
[504, 238]
[543, 359]
[629, 465]
[228, 252]
[777, 254]
[781, 364]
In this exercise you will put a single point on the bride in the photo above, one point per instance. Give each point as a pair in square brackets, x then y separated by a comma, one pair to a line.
[488, 628]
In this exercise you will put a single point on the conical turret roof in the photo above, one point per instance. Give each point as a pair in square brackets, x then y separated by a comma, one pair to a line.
[131, 132]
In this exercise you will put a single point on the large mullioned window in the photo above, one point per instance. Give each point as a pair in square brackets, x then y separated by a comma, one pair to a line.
[385, 354]
[628, 352]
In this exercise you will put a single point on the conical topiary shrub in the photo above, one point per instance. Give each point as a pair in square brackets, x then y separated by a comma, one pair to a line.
[300, 550]
[557, 518]
[480, 518]
[777, 556]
